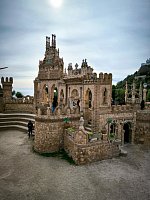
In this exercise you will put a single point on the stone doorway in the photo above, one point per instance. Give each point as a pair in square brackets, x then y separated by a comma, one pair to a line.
[127, 133]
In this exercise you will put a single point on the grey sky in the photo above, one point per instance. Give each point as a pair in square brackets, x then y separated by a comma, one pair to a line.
[113, 35]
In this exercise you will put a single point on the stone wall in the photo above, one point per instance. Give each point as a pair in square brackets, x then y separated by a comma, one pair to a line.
[19, 107]
[142, 132]
[49, 132]
[24, 105]
[90, 152]
[48, 135]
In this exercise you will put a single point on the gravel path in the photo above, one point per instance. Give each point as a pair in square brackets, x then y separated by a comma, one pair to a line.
[25, 175]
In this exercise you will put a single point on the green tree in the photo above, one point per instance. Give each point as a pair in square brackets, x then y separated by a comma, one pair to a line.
[113, 93]
[19, 95]
[13, 93]
[120, 96]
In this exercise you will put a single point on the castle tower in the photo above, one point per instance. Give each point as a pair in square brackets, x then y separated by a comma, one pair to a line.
[51, 71]
[7, 88]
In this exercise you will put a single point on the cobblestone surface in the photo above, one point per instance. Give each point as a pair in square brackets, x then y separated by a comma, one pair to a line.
[25, 175]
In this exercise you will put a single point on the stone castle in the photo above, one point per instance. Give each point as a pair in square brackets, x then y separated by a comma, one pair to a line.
[73, 110]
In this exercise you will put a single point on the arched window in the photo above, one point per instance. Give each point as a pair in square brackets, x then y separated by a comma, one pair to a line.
[55, 98]
[45, 94]
[88, 98]
[105, 96]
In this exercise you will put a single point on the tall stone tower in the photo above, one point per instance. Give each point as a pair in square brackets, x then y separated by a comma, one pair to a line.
[49, 75]
[7, 88]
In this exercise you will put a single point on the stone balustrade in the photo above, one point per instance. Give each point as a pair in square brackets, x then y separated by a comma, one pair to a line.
[122, 108]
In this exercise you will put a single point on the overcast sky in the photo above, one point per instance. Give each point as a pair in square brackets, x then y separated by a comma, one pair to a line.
[113, 35]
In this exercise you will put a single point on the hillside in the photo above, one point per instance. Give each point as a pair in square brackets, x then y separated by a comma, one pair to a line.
[142, 75]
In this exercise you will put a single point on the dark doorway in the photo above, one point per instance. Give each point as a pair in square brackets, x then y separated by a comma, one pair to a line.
[127, 132]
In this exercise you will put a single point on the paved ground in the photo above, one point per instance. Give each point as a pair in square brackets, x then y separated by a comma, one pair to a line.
[25, 175]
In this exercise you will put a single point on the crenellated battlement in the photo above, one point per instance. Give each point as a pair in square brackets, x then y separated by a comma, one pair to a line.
[105, 78]
[6, 80]
[24, 100]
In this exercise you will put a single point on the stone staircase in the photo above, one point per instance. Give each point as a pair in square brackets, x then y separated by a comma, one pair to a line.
[88, 127]
[15, 121]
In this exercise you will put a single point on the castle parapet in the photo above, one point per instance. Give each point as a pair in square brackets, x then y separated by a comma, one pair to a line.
[105, 78]
[7, 80]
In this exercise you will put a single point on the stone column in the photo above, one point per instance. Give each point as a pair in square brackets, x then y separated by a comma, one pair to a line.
[144, 94]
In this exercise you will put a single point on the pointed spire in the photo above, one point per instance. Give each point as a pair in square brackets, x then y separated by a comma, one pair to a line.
[53, 41]
[47, 43]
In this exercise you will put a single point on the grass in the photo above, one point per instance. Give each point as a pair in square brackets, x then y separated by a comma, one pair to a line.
[60, 154]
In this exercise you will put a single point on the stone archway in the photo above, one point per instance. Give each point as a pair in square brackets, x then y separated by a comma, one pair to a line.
[54, 96]
[74, 98]
[127, 132]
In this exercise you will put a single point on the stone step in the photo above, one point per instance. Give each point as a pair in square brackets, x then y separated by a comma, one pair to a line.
[21, 115]
[17, 121]
[6, 123]
[88, 129]
[14, 127]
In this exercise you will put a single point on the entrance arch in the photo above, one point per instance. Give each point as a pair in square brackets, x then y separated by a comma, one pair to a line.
[127, 132]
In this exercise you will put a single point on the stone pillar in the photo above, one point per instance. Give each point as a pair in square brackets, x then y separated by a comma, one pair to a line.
[126, 92]
[39, 111]
[81, 125]
[144, 94]
[133, 93]
[140, 92]
[48, 111]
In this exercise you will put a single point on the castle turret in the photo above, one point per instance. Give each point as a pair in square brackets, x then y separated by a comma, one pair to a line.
[7, 88]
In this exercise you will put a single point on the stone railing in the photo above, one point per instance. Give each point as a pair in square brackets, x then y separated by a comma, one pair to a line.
[64, 110]
[122, 108]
